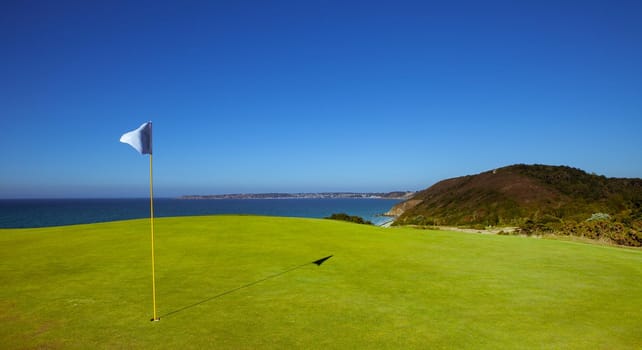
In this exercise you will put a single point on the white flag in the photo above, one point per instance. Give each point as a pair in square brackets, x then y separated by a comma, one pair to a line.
[140, 139]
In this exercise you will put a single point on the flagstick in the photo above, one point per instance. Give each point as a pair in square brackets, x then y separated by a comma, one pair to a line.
[151, 215]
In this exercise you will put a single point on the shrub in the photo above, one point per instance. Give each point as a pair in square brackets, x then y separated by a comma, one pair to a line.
[615, 232]
[350, 218]
[531, 227]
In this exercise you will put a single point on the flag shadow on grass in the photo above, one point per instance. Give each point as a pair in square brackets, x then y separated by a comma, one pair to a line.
[316, 262]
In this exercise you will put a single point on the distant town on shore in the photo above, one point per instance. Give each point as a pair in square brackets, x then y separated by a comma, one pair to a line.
[317, 195]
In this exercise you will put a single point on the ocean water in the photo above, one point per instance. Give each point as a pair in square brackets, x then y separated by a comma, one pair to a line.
[22, 213]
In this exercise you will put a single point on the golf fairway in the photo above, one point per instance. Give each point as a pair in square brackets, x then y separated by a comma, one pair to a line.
[248, 282]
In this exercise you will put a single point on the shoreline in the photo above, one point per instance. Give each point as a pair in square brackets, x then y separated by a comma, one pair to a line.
[399, 195]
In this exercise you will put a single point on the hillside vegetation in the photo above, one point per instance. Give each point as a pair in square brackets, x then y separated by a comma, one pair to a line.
[246, 282]
[538, 199]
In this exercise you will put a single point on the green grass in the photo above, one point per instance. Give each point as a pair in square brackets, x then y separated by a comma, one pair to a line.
[89, 286]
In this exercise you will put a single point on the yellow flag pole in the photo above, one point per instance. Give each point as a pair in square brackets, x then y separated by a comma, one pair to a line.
[151, 211]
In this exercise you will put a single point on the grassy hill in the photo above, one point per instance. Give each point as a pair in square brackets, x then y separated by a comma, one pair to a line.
[221, 284]
[521, 194]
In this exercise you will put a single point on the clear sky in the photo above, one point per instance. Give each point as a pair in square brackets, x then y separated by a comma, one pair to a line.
[290, 96]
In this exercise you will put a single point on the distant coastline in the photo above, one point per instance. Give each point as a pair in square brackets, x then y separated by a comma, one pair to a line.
[316, 195]
[23, 213]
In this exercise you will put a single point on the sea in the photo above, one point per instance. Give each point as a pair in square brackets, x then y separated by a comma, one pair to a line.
[26, 213]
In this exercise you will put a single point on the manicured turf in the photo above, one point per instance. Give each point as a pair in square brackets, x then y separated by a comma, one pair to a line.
[89, 286]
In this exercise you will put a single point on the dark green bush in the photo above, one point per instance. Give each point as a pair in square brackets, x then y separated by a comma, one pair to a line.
[350, 218]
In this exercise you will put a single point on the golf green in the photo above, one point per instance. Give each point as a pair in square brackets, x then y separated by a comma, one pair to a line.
[247, 282]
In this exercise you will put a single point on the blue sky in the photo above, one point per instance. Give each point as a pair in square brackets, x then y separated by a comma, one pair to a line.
[263, 96]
